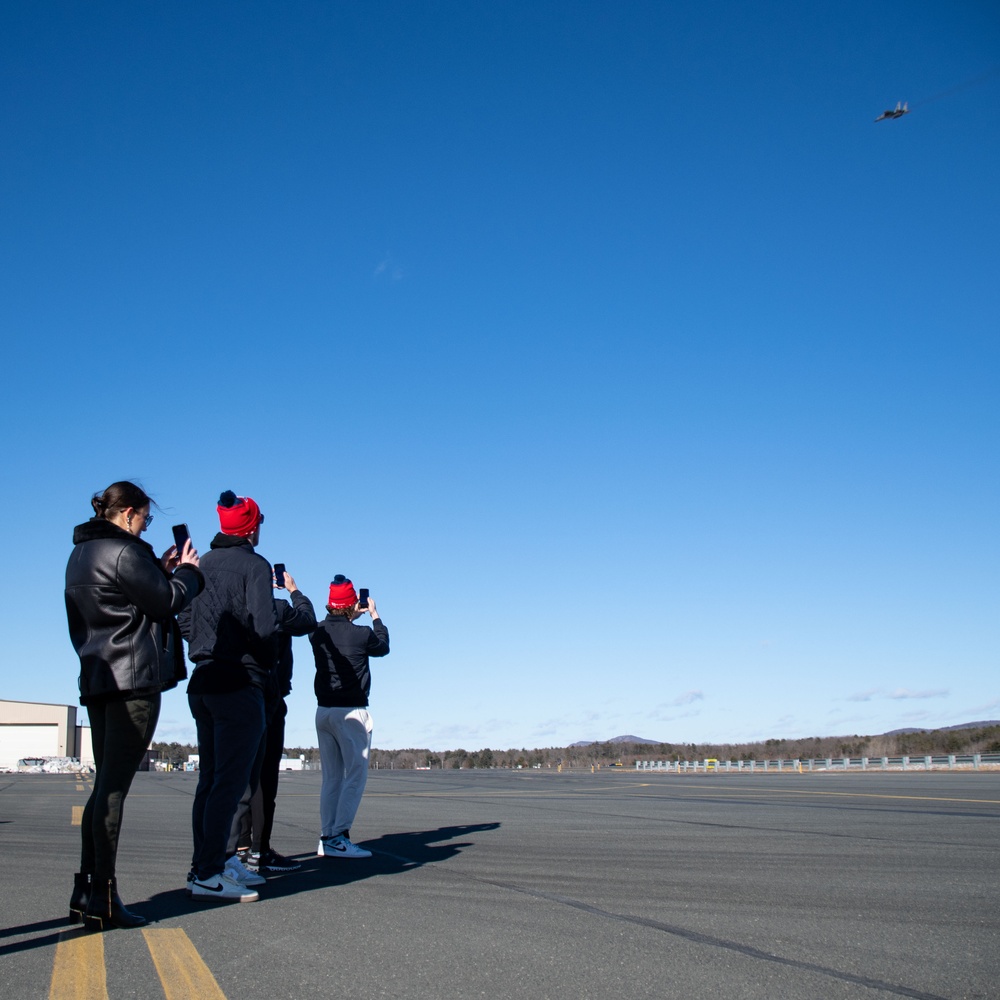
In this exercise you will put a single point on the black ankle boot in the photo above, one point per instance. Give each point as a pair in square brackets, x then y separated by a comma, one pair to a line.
[106, 910]
[78, 901]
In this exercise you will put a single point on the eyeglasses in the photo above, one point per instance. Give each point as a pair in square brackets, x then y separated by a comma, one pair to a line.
[147, 522]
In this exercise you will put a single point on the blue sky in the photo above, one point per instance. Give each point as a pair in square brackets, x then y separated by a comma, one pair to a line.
[648, 384]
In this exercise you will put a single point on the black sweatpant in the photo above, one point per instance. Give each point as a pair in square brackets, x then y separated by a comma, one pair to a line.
[257, 821]
[230, 728]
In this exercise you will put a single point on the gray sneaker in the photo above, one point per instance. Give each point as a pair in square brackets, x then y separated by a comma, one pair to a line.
[235, 870]
[340, 847]
[222, 887]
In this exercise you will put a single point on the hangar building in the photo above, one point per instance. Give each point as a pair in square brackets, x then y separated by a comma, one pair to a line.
[36, 729]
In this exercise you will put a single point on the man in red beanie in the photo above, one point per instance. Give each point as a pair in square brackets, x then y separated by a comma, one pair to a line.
[343, 725]
[231, 632]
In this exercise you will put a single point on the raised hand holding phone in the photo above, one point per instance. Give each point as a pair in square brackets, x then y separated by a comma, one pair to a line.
[183, 550]
[181, 535]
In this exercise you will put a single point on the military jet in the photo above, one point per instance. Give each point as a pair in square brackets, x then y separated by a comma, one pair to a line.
[897, 112]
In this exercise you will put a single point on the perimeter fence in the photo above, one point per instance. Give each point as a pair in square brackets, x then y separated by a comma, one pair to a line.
[949, 762]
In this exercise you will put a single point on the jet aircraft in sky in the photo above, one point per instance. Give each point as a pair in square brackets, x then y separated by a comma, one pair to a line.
[897, 112]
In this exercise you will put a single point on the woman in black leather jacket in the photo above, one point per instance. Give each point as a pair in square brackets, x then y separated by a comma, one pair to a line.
[121, 602]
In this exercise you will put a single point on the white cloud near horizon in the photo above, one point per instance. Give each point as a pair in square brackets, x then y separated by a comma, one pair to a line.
[863, 695]
[688, 697]
[904, 693]
[899, 694]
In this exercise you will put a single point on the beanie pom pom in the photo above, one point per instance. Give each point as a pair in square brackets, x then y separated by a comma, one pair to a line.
[238, 515]
[342, 593]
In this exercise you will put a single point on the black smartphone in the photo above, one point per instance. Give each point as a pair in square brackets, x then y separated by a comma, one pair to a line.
[181, 535]
[363, 598]
[279, 575]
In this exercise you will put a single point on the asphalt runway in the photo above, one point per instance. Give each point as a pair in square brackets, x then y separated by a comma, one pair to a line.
[532, 884]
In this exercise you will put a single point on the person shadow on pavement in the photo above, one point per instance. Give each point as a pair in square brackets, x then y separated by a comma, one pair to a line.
[392, 854]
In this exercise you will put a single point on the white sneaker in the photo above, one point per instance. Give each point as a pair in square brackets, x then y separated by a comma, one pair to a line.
[222, 887]
[238, 873]
[340, 847]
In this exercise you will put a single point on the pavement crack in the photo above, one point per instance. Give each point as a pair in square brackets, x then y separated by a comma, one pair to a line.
[696, 937]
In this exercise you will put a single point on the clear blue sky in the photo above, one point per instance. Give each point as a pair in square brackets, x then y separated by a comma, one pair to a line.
[649, 385]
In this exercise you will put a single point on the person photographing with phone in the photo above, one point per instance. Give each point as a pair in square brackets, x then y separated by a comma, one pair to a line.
[120, 604]
[251, 837]
[343, 724]
[231, 631]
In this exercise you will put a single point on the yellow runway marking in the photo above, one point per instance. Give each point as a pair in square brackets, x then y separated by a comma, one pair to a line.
[497, 794]
[78, 972]
[682, 784]
[79, 787]
[183, 973]
[77, 816]
[685, 786]
[847, 795]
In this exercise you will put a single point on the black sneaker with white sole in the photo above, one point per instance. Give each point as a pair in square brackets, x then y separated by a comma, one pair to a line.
[272, 861]
[249, 859]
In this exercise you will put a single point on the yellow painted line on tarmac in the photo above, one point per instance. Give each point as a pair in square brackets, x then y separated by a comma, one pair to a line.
[79, 787]
[182, 971]
[719, 788]
[469, 793]
[78, 971]
[77, 816]
[513, 794]
[846, 795]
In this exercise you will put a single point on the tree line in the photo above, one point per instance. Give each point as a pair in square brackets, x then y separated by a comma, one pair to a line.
[981, 739]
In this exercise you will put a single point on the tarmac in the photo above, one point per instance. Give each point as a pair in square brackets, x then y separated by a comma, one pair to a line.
[533, 884]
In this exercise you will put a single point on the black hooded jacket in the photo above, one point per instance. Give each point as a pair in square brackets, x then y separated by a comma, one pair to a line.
[120, 604]
[341, 649]
[297, 618]
[231, 628]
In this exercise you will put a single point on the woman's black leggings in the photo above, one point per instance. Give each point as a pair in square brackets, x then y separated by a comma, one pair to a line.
[121, 732]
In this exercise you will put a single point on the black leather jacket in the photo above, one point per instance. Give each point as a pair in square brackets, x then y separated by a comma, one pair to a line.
[120, 604]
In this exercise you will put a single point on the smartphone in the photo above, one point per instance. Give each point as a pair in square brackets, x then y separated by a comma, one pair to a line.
[363, 598]
[279, 575]
[181, 535]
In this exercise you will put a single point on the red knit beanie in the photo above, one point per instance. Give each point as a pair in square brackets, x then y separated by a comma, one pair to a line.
[238, 515]
[342, 593]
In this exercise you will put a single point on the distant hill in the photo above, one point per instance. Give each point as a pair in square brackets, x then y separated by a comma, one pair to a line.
[943, 729]
[616, 739]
